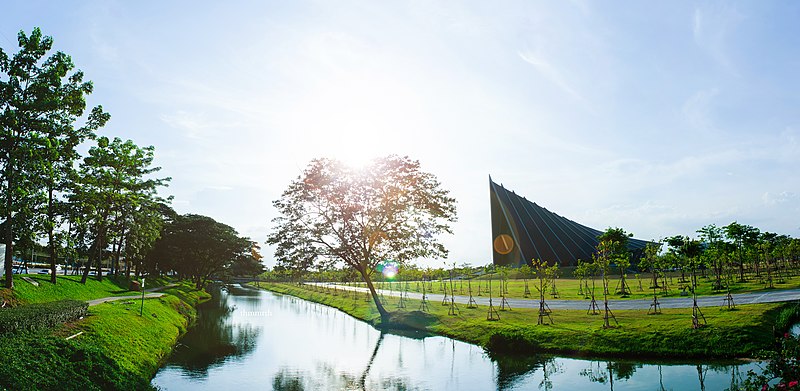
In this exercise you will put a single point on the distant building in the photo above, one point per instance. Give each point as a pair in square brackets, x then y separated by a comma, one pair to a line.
[523, 230]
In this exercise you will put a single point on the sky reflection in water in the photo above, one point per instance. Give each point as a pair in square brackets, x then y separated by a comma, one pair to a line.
[250, 339]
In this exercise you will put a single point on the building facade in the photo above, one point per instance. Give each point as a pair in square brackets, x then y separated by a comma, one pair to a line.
[523, 230]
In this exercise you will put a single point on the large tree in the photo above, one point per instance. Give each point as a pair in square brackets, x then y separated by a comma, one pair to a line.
[39, 102]
[199, 247]
[114, 182]
[389, 210]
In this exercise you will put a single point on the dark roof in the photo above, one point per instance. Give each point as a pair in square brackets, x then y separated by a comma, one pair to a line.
[539, 233]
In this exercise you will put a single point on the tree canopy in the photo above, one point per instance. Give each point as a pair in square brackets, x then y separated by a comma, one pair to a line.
[389, 210]
[199, 247]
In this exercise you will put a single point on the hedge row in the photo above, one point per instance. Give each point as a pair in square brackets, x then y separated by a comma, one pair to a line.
[40, 316]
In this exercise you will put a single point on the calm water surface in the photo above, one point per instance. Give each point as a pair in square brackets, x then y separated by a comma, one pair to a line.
[248, 339]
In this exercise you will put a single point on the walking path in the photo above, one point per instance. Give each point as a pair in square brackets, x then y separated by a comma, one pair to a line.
[774, 296]
[149, 293]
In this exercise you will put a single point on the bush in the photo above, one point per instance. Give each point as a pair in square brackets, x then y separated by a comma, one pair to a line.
[787, 317]
[40, 316]
[40, 362]
[782, 371]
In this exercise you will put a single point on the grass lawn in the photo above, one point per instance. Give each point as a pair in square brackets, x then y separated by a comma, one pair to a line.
[69, 287]
[568, 288]
[118, 348]
[739, 333]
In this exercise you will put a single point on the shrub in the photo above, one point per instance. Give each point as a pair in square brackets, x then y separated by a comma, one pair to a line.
[40, 316]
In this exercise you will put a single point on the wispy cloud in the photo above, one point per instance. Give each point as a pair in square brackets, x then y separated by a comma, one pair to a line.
[551, 73]
[712, 27]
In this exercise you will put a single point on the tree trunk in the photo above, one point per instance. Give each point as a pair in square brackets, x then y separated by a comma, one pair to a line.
[375, 297]
[88, 264]
[9, 258]
[118, 252]
[50, 237]
[100, 247]
[10, 183]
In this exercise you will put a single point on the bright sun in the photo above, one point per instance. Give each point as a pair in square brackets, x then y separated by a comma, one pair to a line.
[357, 119]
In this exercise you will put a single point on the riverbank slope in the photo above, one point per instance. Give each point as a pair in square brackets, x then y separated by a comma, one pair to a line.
[116, 348]
[739, 333]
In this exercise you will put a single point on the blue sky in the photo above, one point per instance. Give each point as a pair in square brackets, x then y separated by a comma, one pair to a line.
[658, 117]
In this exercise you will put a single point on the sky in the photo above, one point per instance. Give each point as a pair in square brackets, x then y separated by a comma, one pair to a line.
[657, 117]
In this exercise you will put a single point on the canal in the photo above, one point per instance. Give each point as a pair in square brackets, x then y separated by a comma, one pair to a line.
[249, 339]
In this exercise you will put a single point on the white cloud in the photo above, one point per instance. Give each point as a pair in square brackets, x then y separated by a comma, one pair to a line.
[550, 72]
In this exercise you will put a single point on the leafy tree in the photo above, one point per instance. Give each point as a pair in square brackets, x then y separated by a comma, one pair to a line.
[39, 102]
[525, 272]
[742, 236]
[618, 240]
[650, 261]
[602, 260]
[545, 274]
[712, 236]
[113, 179]
[360, 217]
[199, 247]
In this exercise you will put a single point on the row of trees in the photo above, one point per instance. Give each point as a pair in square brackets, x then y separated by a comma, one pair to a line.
[81, 204]
[733, 253]
[101, 208]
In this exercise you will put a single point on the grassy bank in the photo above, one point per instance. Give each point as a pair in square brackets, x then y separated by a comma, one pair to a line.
[118, 349]
[739, 333]
[68, 287]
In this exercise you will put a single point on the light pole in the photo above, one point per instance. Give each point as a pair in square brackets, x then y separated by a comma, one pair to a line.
[141, 309]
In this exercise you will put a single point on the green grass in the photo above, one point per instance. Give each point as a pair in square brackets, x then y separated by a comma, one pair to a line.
[568, 287]
[69, 287]
[739, 333]
[118, 348]
[139, 343]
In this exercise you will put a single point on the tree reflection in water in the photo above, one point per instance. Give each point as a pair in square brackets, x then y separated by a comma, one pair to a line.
[619, 370]
[326, 376]
[511, 368]
[213, 339]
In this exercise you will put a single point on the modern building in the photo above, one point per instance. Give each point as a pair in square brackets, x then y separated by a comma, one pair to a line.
[523, 230]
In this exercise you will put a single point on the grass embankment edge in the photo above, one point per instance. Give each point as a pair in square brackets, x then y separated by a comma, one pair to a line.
[741, 333]
[118, 348]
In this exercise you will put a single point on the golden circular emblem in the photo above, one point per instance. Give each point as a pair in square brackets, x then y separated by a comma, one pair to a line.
[503, 244]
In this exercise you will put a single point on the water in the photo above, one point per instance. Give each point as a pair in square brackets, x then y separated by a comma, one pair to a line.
[248, 339]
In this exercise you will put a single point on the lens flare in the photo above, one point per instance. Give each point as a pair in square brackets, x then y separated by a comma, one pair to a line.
[388, 268]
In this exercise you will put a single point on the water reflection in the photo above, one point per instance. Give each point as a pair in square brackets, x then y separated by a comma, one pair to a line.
[215, 337]
[252, 339]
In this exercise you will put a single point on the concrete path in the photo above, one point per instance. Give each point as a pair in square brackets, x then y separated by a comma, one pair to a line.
[149, 293]
[774, 296]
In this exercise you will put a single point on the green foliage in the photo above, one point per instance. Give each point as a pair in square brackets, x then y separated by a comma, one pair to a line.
[332, 213]
[40, 362]
[617, 239]
[115, 194]
[139, 343]
[787, 317]
[198, 247]
[70, 287]
[39, 102]
[40, 316]
[118, 350]
[782, 371]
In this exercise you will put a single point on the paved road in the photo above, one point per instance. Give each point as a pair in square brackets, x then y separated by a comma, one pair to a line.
[667, 302]
[149, 293]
